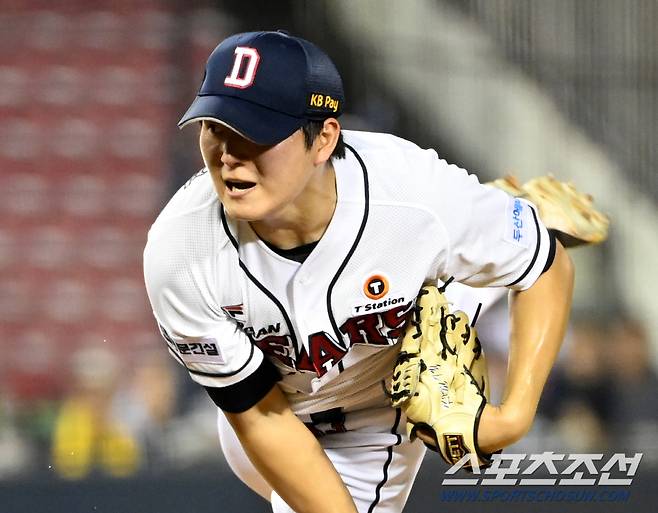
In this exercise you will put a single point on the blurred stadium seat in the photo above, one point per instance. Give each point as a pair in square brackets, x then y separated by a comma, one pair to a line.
[20, 139]
[60, 86]
[82, 100]
[13, 87]
[74, 138]
[26, 195]
[84, 195]
[49, 247]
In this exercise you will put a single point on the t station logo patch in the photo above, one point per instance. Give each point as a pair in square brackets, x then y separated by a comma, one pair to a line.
[375, 287]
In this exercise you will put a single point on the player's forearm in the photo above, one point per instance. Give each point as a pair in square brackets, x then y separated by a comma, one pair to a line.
[289, 457]
[539, 317]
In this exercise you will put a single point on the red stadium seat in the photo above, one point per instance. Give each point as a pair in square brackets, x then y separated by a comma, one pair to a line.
[137, 195]
[86, 103]
[62, 86]
[26, 195]
[67, 301]
[49, 247]
[84, 195]
[14, 83]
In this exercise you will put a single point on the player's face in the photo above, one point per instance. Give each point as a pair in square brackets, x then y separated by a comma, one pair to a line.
[255, 182]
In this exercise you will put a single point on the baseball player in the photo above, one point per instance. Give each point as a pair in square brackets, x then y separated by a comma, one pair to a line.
[282, 276]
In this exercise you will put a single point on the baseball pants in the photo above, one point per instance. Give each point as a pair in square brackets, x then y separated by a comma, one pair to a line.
[373, 456]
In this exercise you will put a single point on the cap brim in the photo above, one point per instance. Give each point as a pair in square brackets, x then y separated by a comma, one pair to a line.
[258, 124]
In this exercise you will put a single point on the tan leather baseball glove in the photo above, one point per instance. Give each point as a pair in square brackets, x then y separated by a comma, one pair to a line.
[440, 379]
[566, 211]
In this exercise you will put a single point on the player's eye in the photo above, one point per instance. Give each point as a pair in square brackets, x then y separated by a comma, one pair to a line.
[210, 126]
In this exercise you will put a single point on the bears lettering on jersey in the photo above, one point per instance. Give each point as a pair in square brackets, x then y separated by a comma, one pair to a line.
[277, 346]
[325, 352]
[378, 328]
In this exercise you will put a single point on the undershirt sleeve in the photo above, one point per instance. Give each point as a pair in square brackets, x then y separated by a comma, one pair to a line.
[244, 394]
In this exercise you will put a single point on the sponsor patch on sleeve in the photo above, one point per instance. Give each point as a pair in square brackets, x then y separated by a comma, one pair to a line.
[205, 350]
[517, 222]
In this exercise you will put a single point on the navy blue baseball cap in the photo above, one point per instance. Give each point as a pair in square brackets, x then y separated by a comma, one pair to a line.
[266, 85]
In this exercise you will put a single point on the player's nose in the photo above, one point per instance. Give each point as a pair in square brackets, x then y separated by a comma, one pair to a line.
[229, 160]
[229, 157]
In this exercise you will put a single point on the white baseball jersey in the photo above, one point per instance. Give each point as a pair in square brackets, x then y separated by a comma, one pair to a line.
[225, 300]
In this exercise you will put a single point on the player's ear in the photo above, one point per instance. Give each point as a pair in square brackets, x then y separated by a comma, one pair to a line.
[326, 140]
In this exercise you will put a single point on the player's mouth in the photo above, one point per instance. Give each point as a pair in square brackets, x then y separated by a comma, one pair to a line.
[238, 188]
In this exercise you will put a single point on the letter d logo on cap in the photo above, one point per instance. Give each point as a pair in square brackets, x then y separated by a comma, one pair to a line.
[234, 79]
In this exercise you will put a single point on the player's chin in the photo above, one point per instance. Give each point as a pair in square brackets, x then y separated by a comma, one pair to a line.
[241, 212]
[242, 207]
[244, 210]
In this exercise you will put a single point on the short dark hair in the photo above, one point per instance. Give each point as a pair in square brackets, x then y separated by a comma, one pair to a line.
[312, 129]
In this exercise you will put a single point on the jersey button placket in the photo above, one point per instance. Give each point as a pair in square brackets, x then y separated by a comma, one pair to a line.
[299, 304]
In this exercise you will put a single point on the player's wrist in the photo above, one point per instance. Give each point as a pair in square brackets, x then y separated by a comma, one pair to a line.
[501, 426]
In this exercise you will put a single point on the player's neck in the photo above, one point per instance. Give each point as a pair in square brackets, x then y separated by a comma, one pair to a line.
[306, 219]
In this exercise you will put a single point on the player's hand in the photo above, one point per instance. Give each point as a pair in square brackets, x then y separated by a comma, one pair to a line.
[501, 426]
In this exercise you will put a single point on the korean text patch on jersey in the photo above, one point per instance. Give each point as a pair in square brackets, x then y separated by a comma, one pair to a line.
[206, 351]
[518, 221]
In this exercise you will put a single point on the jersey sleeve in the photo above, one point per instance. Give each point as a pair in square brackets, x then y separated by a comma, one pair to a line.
[198, 334]
[493, 239]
